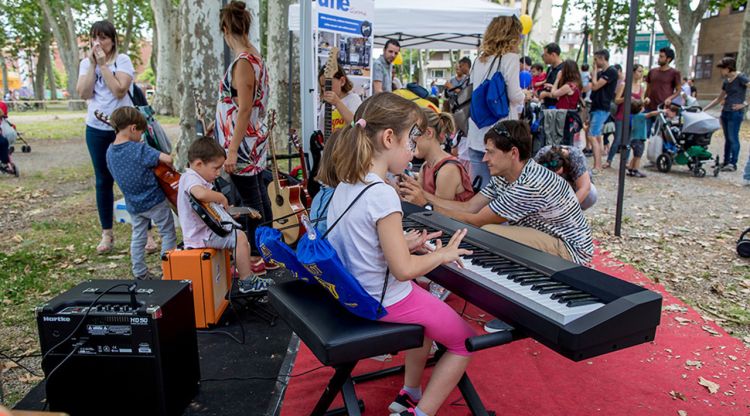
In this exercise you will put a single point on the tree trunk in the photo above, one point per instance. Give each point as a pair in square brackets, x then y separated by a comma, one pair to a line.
[51, 78]
[110, 10]
[168, 27]
[689, 20]
[277, 61]
[254, 7]
[42, 63]
[63, 29]
[202, 63]
[128, 29]
[743, 56]
[561, 22]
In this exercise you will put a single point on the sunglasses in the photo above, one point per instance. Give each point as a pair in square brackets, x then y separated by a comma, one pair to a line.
[413, 134]
[500, 129]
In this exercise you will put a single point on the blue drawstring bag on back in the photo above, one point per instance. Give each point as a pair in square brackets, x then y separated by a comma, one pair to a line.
[271, 246]
[489, 101]
[320, 259]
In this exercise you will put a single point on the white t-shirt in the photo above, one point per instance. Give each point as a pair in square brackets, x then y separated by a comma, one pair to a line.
[350, 101]
[510, 67]
[103, 99]
[355, 237]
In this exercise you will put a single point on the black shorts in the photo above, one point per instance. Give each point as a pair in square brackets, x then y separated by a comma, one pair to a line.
[637, 146]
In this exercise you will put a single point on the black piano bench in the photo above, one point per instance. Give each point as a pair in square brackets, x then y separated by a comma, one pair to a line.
[338, 338]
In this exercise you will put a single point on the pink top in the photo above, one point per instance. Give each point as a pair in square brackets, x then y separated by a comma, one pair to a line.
[621, 107]
[429, 177]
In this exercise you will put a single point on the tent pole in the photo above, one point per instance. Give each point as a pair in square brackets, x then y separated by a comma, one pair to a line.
[625, 141]
[306, 69]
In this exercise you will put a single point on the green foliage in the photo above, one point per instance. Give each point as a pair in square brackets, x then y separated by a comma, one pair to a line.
[61, 78]
[613, 32]
[148, 76]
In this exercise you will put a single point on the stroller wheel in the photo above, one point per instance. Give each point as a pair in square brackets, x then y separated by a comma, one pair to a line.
[699, 173]
[664, 163]
[717, 169]
[26, 149]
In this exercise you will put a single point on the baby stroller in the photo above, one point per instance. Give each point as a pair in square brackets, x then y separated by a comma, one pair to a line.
[9, 132]
[685, 140]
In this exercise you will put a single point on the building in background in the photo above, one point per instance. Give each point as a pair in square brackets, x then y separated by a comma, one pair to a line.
[719, 37]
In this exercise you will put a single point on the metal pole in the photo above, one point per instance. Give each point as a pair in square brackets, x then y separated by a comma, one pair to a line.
[227, 52]
[306, 69]
[652, 41]
[290, 77]
[625, 141]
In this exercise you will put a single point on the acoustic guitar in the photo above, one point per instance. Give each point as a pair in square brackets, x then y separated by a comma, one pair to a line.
[303, 165]
[286, 204]
[318, 138]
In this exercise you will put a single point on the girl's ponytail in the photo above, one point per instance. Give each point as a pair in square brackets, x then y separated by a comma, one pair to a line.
[446, 126]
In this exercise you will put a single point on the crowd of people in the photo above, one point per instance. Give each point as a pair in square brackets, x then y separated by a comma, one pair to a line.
[490, 177]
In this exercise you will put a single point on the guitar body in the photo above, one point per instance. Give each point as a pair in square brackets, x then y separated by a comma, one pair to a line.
[169, 180]
[287, 210]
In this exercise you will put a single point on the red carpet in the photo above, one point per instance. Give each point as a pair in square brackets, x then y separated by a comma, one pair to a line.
[526, 378]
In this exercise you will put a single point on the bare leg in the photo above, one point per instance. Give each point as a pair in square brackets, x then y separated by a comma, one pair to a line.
[243, 256]
[445, 376]
[596, 147]
[416, 359]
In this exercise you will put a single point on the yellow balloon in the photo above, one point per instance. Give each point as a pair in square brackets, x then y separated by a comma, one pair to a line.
[526, 23]
[399, 59]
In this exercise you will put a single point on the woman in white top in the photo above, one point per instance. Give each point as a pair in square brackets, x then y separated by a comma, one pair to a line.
[104, 78]
[501, 40]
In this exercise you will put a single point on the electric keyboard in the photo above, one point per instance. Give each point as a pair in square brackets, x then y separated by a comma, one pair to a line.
[577, 311]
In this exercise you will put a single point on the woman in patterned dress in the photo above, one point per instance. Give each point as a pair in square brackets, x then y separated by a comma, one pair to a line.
[240, 113]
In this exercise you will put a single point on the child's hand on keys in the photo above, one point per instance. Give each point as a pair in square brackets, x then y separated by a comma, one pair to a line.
[417, 240]
[450, 252]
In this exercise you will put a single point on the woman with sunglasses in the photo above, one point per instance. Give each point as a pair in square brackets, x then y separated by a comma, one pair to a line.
[570, 163]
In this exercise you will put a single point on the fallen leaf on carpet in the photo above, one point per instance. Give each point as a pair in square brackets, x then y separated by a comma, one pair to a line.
[732, 357]
[710, 331]
[710, 385]
[675, 308]
[682, 413]
[677, 395]
[681, 320]
[8, 365]
[729, 393]
[694, 363]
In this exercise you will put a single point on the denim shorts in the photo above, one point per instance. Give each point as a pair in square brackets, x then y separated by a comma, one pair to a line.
[638, 147]
[598, 118]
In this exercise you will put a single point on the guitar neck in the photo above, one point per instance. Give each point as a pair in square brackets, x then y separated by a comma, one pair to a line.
[303, 161]
[274, 166]
[328, 120]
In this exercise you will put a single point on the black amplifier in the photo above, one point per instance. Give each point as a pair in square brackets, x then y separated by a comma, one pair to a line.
[120, 347]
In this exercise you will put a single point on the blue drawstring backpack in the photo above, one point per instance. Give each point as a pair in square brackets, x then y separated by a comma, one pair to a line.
[271, 246]
[489, 101]
[323, 263]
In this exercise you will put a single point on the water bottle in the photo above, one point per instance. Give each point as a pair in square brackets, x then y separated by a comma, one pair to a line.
[438, 291]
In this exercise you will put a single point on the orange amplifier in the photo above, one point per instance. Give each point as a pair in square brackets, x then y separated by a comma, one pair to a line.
[209, 270]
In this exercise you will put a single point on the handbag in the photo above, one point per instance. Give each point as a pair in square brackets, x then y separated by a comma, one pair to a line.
[461, 104]
[489, 101]
[324, 265]
[743, 244]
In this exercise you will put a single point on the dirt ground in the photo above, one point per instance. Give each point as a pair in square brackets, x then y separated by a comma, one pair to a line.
[679, 230]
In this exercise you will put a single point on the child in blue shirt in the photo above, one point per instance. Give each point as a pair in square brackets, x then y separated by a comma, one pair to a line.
[130, 161]
[638, 136]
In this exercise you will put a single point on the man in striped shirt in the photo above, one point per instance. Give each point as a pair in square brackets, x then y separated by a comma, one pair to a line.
[539, 207]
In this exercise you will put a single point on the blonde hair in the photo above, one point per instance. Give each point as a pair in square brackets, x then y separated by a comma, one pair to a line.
[502, 35]
[442, 123]
[351, 152]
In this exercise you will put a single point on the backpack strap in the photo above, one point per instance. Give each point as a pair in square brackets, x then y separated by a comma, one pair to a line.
[349, 207]
[132, 82]
[442, 163]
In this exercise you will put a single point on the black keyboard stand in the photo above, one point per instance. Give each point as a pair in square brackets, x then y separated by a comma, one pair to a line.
[471, 397]
[255, 303]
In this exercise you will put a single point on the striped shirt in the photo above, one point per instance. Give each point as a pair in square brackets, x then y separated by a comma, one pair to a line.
[542, 200]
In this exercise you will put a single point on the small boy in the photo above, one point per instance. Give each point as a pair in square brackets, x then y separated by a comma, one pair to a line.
[206, 159]
[638, 136]
[131, 162]
[538, 77]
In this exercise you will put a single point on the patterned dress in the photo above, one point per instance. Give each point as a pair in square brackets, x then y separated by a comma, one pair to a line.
[253, 150]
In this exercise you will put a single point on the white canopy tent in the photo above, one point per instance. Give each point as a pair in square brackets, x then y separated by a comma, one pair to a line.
[419, 24]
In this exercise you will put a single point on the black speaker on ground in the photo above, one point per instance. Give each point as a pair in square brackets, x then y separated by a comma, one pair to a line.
[120, 347]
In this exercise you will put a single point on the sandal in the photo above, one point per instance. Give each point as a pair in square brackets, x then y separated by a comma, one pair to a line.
[151, 246]
[107, 243]
[606, 165]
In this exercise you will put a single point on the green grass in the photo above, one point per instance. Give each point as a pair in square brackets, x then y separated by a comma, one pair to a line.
[167, 119]
[52, 129]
